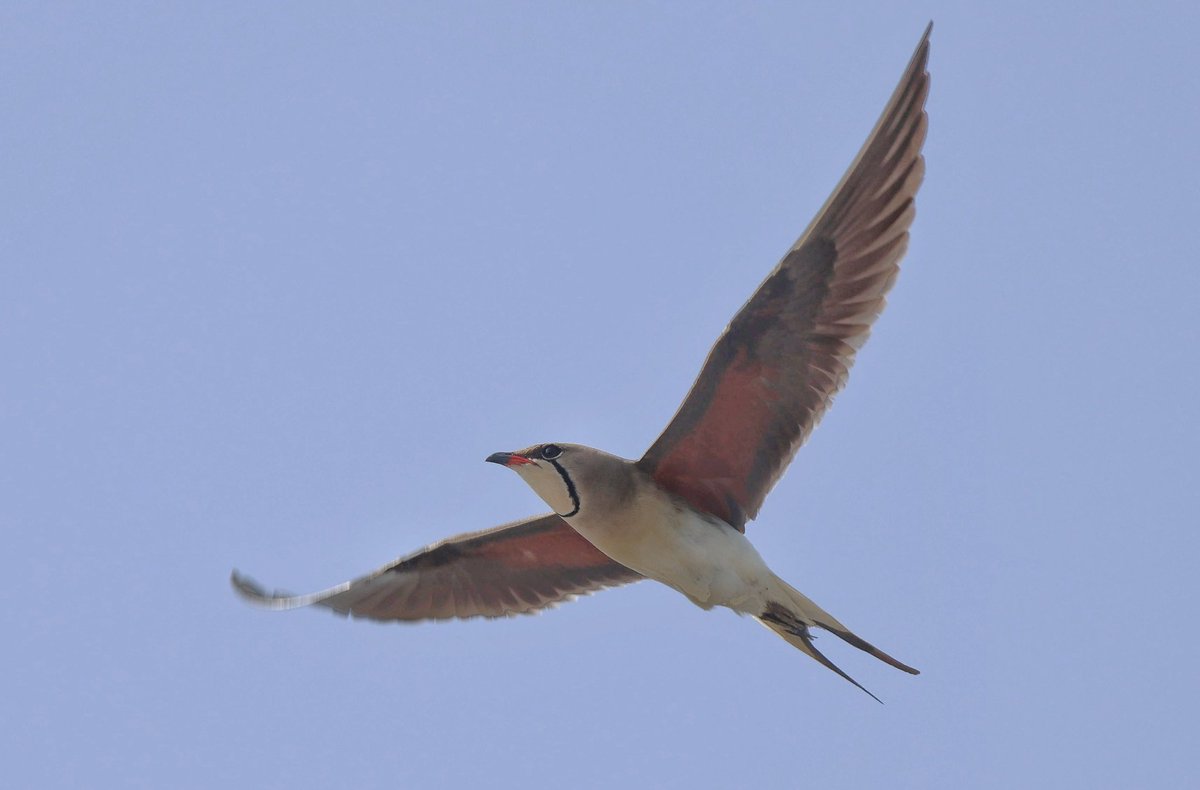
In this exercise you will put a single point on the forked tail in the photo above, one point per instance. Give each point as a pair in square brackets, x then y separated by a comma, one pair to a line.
[793, 618]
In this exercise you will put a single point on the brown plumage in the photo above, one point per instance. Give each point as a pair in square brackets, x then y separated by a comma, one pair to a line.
[774, 372]
[516, 568]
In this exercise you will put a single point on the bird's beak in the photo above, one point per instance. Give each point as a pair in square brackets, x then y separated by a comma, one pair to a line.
[507, 459]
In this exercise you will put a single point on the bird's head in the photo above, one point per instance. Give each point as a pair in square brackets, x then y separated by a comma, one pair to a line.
[568, 477]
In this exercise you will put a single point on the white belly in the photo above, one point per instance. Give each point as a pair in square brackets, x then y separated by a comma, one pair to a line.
[701, 556]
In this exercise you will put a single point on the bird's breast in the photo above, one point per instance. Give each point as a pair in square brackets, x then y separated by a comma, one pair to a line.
[698, 554]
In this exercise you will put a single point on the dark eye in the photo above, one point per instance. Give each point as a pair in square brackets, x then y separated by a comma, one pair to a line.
[551, 451]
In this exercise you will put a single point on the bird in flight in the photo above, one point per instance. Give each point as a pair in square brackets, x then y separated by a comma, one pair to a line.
[678, 514]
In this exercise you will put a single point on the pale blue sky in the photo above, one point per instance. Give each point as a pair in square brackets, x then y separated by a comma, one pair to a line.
[277, 277]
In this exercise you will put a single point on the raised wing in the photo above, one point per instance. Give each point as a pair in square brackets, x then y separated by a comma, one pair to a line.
[517, 568]
[774, 372]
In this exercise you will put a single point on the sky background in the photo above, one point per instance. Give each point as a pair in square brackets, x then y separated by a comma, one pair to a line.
[277, 277]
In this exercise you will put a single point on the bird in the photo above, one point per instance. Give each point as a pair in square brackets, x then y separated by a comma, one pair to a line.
[678, 514]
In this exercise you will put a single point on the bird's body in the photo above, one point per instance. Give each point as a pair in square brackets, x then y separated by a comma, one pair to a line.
[664, 538]
[624, 512]
[678, 514]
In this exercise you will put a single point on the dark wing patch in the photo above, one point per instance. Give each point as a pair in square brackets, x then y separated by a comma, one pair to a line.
[774, 372]
[517, 568]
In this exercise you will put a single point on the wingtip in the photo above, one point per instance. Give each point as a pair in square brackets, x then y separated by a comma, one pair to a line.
[246, 587]
[253, 592]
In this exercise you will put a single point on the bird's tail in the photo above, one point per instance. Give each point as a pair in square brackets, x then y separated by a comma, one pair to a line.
[792, 618]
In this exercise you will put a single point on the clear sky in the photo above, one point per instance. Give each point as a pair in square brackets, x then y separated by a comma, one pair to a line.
[277, 277]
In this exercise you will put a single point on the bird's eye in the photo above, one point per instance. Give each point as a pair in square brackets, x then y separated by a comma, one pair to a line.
[551, 451]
